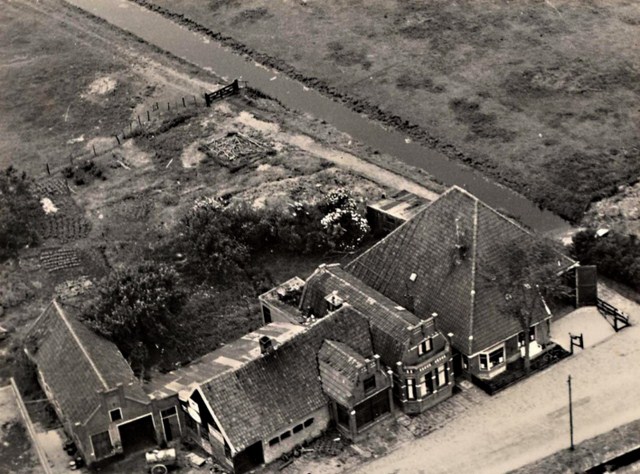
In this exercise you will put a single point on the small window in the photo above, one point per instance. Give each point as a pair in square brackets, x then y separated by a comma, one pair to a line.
[274, 441]
[297, 428]
[424, 347]
[285, 435]
[115, 415]
[369, 383]
[308, 423]
[484, 362]
[168, 412]
[496, 358]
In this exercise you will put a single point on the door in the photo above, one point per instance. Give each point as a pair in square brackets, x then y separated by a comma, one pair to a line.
[138, 434]
[586, 286]
[248, 459]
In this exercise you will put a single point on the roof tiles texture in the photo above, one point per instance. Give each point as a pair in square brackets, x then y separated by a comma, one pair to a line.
[269, 393]
[389, 323]
[450, 249]
[76, 363]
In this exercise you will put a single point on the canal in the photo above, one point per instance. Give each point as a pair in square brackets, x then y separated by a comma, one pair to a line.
[206, 53]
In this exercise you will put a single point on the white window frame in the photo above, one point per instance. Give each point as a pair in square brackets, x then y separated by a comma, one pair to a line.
[425, 346]
[487, 354]
[411, 389]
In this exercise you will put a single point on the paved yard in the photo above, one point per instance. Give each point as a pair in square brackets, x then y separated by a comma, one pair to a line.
[586, 321]
[530, 420]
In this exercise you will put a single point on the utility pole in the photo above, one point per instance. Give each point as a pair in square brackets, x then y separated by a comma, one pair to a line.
[570, 413]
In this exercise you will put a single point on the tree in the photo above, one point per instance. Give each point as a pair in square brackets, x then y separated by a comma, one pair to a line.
[18, 209]
[212, 242]
[528, 276]
[138, 309]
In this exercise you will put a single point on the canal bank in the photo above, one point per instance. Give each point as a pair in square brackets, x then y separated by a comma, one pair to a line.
[208, 54]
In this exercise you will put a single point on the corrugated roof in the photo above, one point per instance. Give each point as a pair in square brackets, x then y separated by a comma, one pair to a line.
[269, 393]
[451, 247]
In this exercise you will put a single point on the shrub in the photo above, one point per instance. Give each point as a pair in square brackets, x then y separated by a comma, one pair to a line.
[18, 207]
[616, 255]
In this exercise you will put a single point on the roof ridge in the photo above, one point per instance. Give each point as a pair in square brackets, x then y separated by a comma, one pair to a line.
[395, 315]
[63, 316]
[35, 323]
[472, 309]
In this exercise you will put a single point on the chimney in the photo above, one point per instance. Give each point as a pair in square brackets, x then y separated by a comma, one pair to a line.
[334, 302]
[266, 345]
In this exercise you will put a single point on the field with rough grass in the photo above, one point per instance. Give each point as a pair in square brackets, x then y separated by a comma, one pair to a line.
[98, 204]
[540, 96]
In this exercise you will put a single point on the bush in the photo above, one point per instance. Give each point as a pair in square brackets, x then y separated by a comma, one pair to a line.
[18, 208]
[616, 255]
[138, 309]
[219, 241]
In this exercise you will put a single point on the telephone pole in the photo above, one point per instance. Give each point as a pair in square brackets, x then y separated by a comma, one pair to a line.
[570, 413]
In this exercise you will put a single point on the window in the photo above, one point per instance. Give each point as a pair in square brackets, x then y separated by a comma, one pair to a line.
[308, 423]
[115, 415]
[441, 376]
[369, 383]
[532, 336]
[411, 389]
[285, 435]
[492, 359]
[424, 347]
[274, 441]
[424, 385]
[297, 428]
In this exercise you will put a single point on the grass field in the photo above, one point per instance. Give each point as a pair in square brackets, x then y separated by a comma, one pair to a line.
[541, 96]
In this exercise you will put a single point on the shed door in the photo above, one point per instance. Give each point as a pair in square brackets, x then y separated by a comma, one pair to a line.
[586, 285]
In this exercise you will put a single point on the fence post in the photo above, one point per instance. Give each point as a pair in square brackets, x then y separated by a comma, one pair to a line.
[139, 121]
[184, 104]
[118, 138]
[195, 102]
[168, 106]
[48, 170]
[148, 116]
[94, 150]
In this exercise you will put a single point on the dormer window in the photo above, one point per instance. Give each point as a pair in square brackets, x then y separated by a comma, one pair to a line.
[424, 346]
[369, 383]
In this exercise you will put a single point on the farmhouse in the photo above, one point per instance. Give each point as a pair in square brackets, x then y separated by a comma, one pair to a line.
[342, 347]
[441, 261]
[94, 392]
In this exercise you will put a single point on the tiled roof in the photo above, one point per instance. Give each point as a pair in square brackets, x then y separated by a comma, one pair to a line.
[390, 323]
[343, 359]
[76, 363]
[265, 395]
[440, 261]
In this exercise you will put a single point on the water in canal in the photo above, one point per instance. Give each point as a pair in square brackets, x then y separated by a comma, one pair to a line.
[206, 53]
